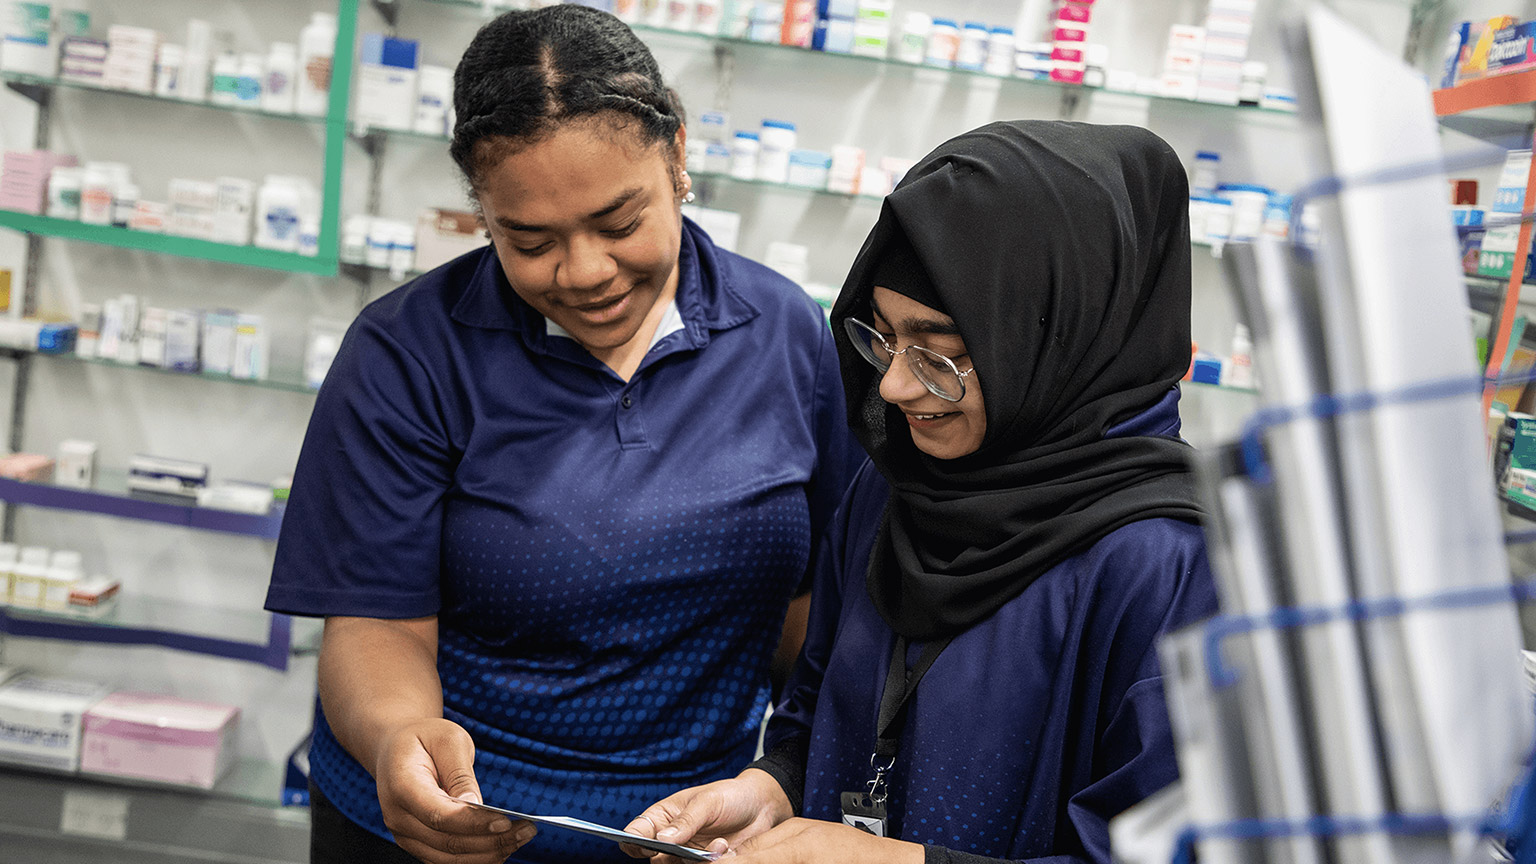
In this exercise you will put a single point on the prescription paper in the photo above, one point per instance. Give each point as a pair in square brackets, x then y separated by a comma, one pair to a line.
[684, 852]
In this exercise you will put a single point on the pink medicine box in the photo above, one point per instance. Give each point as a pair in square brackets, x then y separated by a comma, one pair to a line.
[159, 738]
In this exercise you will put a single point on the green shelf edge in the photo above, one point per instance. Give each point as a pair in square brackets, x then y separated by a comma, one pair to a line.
[325, 264]
[166, 244]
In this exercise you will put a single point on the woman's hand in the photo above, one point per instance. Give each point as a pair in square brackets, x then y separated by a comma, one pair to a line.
[426, 770]
[811, 841]
[714, 816]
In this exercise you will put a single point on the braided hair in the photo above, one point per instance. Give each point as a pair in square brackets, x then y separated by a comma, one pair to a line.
[527, 72]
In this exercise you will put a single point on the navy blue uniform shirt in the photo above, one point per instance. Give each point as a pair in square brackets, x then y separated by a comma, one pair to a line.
[609, 561]
[1035, 726]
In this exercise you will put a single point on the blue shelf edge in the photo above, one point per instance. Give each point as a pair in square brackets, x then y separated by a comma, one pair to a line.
[189, 516]
[273, 654]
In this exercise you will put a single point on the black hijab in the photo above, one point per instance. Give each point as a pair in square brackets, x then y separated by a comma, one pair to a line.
[1062, 252]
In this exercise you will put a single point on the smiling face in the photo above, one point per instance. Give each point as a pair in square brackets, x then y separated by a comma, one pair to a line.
[586, 224]
[942, 429]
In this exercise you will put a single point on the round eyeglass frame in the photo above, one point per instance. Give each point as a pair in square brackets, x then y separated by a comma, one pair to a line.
[918, 359]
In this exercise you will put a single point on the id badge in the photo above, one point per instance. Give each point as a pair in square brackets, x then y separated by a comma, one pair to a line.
[864, 813]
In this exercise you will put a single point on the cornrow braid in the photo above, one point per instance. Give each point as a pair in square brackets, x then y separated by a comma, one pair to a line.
[527, 72]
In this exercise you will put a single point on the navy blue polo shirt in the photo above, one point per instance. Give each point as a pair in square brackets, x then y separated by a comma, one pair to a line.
[609, 561]
[1036, 725]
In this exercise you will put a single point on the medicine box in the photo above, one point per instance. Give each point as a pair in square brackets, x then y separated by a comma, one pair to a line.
[1519, 477]
[76, 465]
[95, 596]
[1497, 256]
[443, 235]
[1513, 49]
[160, 738]
[386, 82]
[41, 720]
[177, 480]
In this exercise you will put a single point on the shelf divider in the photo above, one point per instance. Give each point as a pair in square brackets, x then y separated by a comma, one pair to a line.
[126, 507]
[36, 624]
[185, 247]
[1490, 92]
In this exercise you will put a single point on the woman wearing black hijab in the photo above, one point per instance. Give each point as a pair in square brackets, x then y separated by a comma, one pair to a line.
[1011, 338]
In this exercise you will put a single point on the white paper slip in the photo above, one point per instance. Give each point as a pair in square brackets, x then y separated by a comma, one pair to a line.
[684, 852]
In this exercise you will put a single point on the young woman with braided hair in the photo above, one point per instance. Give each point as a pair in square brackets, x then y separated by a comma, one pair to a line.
[556, 495]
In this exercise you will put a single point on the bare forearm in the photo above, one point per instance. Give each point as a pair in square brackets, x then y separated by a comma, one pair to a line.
[377, 676]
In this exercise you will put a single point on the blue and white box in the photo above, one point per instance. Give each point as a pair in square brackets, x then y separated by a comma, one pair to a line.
[386, 83]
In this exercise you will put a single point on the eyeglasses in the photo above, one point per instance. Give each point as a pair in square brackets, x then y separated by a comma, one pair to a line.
[937, 372]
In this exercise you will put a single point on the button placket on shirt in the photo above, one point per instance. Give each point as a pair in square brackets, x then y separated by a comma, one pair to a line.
[627, 417]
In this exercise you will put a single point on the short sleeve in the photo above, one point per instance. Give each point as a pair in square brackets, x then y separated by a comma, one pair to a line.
[361, 532]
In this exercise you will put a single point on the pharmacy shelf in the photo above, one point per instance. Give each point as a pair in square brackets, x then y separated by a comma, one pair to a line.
[185, 247]
[250, 636]
[1486, 293]
[248, 781]
[24, 83]
[1484, 93]
[877, 62]
[111, 498]
[1220, 388]
[47, 817]
[287, 380]
[790, 187]
[1463, 103]
[1517, 508]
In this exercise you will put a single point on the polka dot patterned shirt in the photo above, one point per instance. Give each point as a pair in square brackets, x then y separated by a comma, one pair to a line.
[609, 561]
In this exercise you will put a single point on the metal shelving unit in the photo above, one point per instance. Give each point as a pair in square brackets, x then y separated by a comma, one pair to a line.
[1468, 101]
[243, 818]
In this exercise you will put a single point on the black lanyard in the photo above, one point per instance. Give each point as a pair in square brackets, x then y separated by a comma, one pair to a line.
[900, 684]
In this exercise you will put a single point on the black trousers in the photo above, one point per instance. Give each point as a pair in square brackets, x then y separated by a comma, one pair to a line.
[335, 839]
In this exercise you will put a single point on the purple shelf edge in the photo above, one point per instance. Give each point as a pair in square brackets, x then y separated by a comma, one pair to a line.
[122, 506]
[273, 654]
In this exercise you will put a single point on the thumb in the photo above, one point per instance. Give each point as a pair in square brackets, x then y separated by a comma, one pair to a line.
[453, 758]
[686, 823]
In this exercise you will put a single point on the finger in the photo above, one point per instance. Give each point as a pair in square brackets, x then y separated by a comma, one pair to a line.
[438, 846]
[439, 813]
[643, 826]
[770, 838]
[453, 756]
[682, 825]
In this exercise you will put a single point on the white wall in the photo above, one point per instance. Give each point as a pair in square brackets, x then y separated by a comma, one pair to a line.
[250, 433]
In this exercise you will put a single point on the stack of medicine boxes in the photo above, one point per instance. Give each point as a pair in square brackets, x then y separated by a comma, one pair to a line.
[1069, 58]
[131, 53]
[1228, 25]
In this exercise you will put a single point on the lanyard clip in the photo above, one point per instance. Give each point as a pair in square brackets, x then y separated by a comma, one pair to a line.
[877, 792]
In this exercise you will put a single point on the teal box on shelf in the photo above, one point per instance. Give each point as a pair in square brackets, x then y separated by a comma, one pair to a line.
[1519, 478]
